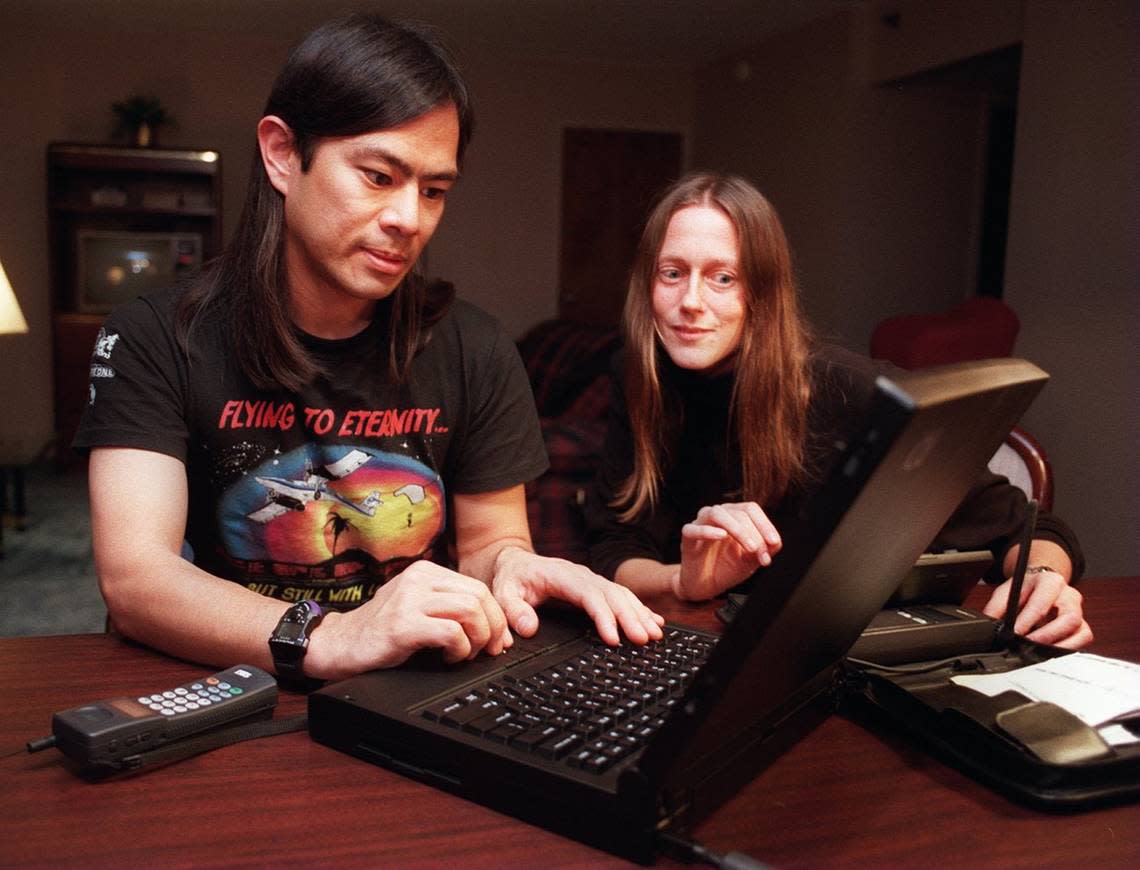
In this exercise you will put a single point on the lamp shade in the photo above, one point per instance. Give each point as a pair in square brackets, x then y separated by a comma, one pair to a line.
[11, 317]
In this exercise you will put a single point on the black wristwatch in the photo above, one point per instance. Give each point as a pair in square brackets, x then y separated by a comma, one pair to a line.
[290, 639]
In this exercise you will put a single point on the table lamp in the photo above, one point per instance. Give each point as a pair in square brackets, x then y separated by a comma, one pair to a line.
[11, 323]
[11, 317]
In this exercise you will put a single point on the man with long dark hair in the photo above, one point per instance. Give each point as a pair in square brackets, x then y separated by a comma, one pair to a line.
[320, 427]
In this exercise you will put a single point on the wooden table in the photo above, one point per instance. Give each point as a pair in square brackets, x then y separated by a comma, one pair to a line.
[845, 796]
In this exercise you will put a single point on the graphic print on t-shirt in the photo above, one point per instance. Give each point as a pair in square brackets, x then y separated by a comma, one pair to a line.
[330, 522]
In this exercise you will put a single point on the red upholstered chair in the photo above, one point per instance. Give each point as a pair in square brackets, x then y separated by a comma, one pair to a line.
[979, 328]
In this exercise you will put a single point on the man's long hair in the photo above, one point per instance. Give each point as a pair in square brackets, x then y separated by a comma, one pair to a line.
[350, 76]
[768, 407]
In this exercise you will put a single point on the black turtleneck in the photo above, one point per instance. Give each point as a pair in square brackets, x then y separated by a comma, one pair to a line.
[702, 467]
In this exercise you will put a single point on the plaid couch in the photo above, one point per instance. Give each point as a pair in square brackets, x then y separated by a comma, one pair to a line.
[569, 369]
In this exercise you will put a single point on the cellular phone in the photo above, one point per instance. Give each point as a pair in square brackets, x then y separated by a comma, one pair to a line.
[103, 734]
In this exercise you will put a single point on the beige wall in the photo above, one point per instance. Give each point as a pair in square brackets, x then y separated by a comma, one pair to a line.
[498, 243]
[876, 186]
[1073, 262]
[931, 33]
[500, 239]
[878, 189]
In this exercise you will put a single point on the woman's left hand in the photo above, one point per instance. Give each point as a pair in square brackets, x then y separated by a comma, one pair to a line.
[1050, 611]
[722, 547]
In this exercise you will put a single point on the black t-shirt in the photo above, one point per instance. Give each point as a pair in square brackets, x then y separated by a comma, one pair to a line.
[329, 492]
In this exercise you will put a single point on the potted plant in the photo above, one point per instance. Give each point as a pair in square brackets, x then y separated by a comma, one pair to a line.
[141, 117]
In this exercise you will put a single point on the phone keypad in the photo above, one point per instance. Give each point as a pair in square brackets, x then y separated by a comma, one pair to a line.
[192, 696]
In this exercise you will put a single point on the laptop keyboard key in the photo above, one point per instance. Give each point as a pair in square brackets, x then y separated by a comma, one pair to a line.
[559, 745]
[466, 713]
[505, 732]
[488, 721]
[528, 739]
[438, 711]
[599, 763]
[580, 758]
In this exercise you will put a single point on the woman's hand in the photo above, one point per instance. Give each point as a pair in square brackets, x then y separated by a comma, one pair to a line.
[722, 547]
[1050, 611]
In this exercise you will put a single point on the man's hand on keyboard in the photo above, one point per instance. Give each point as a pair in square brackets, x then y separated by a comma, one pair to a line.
[426, 606]
[524, 580]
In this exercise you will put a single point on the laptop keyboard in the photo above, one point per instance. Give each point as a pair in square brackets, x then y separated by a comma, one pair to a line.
[590, 710]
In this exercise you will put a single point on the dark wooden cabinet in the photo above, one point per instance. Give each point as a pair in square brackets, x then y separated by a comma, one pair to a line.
[121, 221]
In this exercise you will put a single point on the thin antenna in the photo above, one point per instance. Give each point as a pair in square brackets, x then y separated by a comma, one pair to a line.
[1014, 603]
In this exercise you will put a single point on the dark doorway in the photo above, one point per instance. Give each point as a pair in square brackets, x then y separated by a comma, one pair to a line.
[995, 75]
[1001, 125]
[609, 181]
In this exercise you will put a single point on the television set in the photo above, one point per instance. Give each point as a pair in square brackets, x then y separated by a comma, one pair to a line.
[114, 266]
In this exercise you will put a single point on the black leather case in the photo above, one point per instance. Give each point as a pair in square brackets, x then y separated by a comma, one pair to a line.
[1031, 752]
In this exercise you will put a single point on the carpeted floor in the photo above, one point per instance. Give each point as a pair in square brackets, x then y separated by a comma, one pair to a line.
[47, 574]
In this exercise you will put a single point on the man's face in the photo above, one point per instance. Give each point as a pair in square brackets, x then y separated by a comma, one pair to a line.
[358, 219]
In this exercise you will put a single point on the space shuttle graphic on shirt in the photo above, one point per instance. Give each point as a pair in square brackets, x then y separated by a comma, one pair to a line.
[293, 494]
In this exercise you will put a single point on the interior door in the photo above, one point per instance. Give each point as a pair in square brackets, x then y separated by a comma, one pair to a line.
[610, 179]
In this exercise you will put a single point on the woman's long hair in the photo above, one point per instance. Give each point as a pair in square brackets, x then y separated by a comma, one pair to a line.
[768, 407]
[352, 75]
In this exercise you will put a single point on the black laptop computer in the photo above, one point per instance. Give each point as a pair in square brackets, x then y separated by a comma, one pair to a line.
[617, 746]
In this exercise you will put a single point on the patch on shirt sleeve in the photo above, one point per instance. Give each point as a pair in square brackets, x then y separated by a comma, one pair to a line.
[105, 343]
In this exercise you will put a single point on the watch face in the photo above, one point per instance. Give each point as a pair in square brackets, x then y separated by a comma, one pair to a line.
[290, 632]
[287, 650]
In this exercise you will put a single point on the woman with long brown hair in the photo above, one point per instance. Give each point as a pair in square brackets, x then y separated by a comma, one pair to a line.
[727, 411]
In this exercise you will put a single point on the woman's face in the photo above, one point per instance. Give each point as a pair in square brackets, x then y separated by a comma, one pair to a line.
[698, 292]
